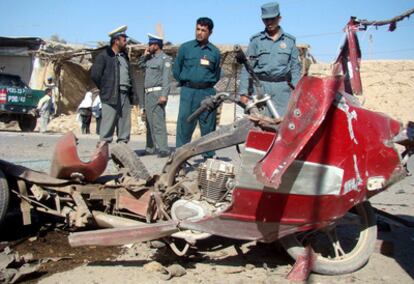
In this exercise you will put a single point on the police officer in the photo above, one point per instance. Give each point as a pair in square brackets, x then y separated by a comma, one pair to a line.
[274, 58]
[157, 67]
[111, 74]
[197, 69]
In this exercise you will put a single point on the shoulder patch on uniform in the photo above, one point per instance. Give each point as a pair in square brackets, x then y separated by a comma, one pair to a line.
[256, 35]
[289, 36]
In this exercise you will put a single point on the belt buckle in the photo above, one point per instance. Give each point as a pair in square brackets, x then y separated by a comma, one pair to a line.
[153, 89]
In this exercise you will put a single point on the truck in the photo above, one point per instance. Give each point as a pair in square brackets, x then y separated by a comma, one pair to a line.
[18, 102]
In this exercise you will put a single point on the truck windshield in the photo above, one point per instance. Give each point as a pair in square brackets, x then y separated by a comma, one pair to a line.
[11, 81]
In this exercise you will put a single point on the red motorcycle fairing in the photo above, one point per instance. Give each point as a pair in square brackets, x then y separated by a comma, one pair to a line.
[352, 147]
[66, 162]
[348, 61]
[307, 109]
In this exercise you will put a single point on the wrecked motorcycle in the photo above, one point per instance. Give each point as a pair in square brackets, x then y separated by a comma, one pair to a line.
[304, 180]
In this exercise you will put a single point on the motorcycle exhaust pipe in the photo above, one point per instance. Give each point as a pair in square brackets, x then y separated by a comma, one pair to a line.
[122, 236]
[104, 220]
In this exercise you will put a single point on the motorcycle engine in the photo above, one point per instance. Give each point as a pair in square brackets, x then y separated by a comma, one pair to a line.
[215, 180]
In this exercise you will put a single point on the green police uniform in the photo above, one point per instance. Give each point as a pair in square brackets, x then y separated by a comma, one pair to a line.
[197, 69]
[274, 62]
[157, 84]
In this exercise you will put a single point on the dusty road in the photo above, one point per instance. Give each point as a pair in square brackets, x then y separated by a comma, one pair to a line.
[215, 262]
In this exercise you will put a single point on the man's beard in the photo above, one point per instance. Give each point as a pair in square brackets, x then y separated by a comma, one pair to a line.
[122, 48]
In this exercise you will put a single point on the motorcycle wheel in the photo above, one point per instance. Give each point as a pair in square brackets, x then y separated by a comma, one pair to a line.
[341, 248]
[4, 196]
[125, 157]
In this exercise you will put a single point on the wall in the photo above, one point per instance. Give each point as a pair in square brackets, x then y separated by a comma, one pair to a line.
[17, 65]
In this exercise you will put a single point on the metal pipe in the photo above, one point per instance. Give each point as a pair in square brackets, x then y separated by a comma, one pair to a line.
[272, 109]
[177, 251]
[121, 236]
[50, 211]
[109, 221]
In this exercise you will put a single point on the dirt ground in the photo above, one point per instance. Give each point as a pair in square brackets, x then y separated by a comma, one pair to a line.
[216, 260]
[47, 239]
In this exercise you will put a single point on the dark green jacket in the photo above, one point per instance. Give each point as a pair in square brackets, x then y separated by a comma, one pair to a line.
[197, 64]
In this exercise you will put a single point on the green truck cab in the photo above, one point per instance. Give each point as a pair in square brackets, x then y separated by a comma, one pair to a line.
[18, 102]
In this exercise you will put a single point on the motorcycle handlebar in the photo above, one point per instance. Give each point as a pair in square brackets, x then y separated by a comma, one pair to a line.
[242, 59]
[211, 103]
[240, 56]
[197, 113]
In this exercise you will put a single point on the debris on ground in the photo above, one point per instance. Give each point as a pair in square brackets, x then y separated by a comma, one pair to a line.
[234, 270]
[37, 251]
[14, 267]
[174, 270]
[154, 266]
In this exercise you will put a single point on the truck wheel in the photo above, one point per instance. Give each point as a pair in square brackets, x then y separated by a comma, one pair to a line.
[4, 196]
[27, 123]
[124, 157]
[341, 248]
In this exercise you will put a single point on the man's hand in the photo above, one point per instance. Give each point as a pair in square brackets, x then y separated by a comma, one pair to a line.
[162, 100]
[143, 116]
[147, 52]
[244, 99]
[35, 112]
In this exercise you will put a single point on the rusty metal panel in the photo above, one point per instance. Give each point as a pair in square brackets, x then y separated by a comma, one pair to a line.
[21, 172]
[24, 204]
[139, 205]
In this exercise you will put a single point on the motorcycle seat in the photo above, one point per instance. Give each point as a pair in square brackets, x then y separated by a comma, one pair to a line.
[66, 163]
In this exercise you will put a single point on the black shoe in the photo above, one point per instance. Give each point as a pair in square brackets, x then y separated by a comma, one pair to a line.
[163, 154]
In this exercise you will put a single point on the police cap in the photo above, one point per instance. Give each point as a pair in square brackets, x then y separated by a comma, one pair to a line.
[118, 32]
[270, 10]
[155, 39]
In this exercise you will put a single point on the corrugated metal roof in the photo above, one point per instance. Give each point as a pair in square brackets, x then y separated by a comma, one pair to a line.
[32, 43]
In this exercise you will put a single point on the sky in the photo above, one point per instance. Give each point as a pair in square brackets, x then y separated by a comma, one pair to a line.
[315, 22]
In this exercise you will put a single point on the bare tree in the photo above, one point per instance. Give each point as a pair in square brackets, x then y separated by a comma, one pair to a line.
[55, 37]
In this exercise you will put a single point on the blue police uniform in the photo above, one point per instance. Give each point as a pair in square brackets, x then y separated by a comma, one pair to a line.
[274, 62]
[157, 84]
[197, 69]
